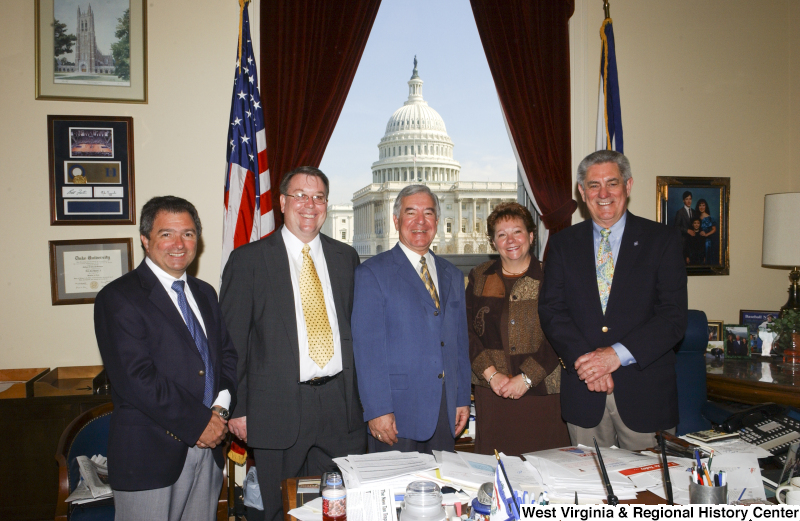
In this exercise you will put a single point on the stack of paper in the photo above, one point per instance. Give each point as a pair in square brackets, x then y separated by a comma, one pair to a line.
[567, 470]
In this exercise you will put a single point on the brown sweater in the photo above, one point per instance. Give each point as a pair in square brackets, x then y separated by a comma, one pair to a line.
[504, 329]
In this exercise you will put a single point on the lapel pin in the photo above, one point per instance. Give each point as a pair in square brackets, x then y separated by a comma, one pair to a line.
[636, 243]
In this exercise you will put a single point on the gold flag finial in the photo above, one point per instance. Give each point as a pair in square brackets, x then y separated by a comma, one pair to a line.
[606, 9]
[242, 4]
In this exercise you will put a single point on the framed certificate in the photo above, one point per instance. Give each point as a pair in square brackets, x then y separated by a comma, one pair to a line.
[79, 269]
[91, 170]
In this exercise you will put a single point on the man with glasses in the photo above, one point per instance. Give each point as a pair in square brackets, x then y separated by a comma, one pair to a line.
[287, 300]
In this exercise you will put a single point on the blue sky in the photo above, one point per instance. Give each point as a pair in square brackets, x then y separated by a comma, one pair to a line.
[458, 85]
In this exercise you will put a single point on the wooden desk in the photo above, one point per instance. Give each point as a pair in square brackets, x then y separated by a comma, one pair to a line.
[289, 493]
[756, 380]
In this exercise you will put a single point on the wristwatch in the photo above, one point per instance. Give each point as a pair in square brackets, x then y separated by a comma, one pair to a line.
[527, 380]
[222, 411]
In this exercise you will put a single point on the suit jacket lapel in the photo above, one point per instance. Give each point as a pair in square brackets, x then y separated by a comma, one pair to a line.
[277, 261]
[158, 296]
[445, 282]
[628, 252]
[337, 279]
[411, 276]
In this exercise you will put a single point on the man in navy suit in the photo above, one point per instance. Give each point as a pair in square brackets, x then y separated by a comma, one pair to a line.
[613, 306]
[410, 336]
[172, 368]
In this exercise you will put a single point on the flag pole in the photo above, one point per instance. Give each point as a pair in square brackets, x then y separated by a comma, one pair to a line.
[242, 4]
[606, 9]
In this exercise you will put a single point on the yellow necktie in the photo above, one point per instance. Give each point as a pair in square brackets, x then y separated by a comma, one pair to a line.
[318, 329]
[426, 278]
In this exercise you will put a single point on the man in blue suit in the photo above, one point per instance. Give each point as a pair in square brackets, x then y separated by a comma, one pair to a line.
[410, 336]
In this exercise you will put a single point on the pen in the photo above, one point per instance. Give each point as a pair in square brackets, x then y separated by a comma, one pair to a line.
[723, 478]
[741, 495]
[539, 500]
[710, 459]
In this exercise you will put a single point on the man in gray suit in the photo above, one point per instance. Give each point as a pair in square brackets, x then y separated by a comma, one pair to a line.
[287, 300]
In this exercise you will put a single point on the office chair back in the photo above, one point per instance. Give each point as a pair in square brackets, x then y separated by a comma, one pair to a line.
[690, 367]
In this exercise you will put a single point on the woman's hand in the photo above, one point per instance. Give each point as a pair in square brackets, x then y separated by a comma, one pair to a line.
[513, 388]
[495, 378]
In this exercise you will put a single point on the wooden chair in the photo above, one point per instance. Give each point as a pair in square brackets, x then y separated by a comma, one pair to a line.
[87, 435]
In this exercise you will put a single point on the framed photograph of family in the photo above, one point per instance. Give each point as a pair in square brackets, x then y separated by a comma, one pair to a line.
[761, 338]
[737, 341]
[699, 206]
[79, 269]
[91, 170]
[91, 51]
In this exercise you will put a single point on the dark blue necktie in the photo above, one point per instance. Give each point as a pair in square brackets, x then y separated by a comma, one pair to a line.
[199, 339]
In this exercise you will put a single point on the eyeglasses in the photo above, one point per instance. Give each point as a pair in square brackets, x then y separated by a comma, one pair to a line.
[302, 198]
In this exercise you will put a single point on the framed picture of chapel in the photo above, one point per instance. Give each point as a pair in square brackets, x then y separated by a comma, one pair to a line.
[91, 170]
[91, 50]
[699, 207]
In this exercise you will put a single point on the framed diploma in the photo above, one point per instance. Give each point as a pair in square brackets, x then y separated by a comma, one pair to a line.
[91, 170]
[79, 269]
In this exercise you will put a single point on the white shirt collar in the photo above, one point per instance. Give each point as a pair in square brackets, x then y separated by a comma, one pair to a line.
[165, 278]
[414, 257]
[294, 246]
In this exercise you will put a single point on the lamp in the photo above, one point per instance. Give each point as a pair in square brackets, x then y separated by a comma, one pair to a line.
[781, 243]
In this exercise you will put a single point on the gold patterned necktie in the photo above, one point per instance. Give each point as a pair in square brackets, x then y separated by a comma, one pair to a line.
[426, 278]
[318, 329]
[605, 268]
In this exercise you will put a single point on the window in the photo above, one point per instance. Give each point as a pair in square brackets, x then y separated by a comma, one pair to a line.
[478, 226]
[449, 206]
[463, 225]
[449, 227]
[463, 206]
[344, 221]
[477, 207]
[435, 248]
[406, 152]
[344, 235]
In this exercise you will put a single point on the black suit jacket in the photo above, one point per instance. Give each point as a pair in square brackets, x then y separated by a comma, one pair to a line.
[258, 303]
[153, 365]
[646, 312]
[684, 221]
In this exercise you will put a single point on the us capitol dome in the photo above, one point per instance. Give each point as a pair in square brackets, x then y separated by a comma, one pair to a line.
[415, 149]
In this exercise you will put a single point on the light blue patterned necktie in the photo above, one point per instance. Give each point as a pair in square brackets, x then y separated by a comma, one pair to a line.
[605, 268]
[199, 339]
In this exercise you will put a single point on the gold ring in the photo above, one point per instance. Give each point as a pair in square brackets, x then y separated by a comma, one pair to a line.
[379, 436]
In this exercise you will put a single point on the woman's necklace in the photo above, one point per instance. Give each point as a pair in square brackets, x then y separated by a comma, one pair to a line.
[517, 274]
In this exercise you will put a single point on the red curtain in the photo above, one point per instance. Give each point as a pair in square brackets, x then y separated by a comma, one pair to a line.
[527, 47]
[310, 50]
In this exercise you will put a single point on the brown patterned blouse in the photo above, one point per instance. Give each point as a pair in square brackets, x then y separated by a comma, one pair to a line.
[504, 328]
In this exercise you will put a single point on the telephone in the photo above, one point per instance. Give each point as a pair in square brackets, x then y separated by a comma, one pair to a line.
[770, 426]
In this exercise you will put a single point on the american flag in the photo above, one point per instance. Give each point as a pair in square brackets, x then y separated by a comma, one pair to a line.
[248, 212]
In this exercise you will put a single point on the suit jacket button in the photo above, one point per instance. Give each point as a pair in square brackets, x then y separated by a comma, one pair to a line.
[441, 375]
[436, 313]
[605, 329]
[201, 373]
[442, 343]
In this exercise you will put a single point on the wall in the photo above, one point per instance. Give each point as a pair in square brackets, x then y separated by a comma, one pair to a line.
[179, 149]
[708, 88]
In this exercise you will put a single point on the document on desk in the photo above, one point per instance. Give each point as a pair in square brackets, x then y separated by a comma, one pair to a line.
[744, 475]
[583, 459]
[371, 504]
[369, 468]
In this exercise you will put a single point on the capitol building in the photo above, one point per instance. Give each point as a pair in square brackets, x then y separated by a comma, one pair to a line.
[417, 150]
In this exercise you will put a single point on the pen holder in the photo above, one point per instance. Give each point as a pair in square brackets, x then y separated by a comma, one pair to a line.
[705, 495]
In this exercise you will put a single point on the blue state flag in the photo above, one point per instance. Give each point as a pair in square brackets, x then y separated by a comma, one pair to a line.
[609, 114]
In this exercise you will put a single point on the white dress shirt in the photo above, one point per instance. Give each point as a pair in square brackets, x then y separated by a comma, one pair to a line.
[414, 257]
[294, 249]
[166, 280]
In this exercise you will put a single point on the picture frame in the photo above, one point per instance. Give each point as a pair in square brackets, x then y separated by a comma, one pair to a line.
[91, 170]
[756, 322]
[69, 69]
[703, 256]
[736, 341]
[716, 341]
[79, 269]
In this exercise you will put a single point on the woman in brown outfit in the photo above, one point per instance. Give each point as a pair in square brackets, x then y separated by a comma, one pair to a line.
[515, 371]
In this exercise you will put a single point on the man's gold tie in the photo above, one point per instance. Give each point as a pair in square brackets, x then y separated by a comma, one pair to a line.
[318, 329]
[426, 278]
